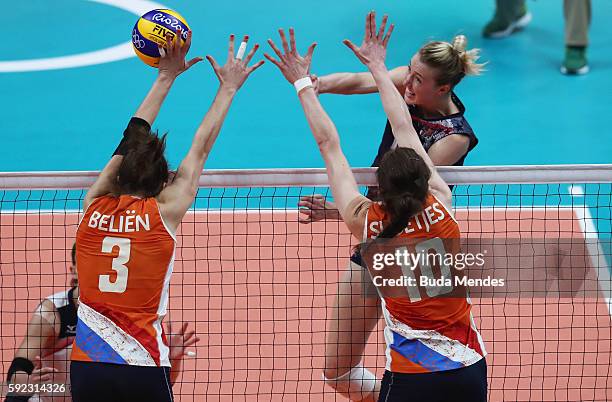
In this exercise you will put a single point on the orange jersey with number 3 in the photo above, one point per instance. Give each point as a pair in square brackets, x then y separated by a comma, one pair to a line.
[125, 255]
[426, 334]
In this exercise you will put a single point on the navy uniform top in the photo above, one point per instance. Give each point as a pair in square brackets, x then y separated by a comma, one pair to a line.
[431, 131]
[64, 303]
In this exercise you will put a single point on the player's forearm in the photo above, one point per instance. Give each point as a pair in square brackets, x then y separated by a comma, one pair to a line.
[347, 83]
[322, 127]
[105, 183]
[396, 110]
[175, 370]
[393, 103]
[149, 109]
[209, 129]
[333, 214]
[20, 378]
[205, 137]
[109, 174]
[21, 394]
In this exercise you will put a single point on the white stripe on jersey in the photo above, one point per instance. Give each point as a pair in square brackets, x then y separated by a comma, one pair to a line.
[388, 340]
[164, 351]
[59, 299]
[124, 344]
[480, 341]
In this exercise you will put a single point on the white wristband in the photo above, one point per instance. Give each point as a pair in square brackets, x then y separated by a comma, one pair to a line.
[302, 83]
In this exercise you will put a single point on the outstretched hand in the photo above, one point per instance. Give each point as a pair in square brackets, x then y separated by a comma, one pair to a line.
[373, 49]
[291, 64]
[41, 374]
[235, 71]
[314, 208]
[172, 61]
[179, 341]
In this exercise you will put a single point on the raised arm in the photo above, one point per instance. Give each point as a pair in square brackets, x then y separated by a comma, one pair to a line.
[372, 53]
[296, 69]
[178, 196]
[356, 83]
[39, 339]
[105, 182]
[171, 64]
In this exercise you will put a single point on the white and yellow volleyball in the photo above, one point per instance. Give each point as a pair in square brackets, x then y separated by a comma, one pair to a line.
[150, 31]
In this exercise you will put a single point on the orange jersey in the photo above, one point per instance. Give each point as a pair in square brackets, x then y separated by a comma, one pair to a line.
[125, 255]
[425, 333]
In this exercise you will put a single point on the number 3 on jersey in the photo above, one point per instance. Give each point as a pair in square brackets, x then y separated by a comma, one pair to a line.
[118, 265]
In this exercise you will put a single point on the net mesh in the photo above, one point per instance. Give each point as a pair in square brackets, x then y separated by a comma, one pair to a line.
[257, 286]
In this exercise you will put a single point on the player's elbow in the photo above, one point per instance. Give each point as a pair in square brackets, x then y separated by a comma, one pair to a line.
[358, 384]
[185, 185]
[190, 190]
[328, 144]
[441, 189]
[446, 191]
[403, 126]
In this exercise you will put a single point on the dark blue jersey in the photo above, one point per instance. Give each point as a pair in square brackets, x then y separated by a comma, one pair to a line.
[64, 303]
[431, 131]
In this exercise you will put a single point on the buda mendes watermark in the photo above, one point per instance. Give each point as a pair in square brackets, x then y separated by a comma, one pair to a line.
[420, 268]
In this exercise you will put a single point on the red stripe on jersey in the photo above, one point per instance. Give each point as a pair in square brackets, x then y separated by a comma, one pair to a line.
[399, 364]
[451, 326]
[464, 333]
[78, 354]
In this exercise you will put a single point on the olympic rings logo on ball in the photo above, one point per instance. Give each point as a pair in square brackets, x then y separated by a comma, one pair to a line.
[153, 29]
[137, 41]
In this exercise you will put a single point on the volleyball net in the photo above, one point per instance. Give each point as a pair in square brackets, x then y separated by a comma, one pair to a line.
[257, 286]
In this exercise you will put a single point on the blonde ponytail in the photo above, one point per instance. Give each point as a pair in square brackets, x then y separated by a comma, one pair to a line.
[451, 60]
[469, 57]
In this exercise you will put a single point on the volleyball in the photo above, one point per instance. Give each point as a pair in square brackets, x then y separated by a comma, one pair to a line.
[150, 31]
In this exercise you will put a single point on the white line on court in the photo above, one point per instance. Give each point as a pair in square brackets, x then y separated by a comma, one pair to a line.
[108, 55]
[598, 258]
[576, 190]
[596, 253]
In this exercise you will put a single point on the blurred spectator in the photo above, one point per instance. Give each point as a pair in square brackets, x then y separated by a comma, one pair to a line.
[512, 15]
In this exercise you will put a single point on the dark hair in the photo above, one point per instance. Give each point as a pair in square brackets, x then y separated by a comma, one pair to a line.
[403, 180]
[144, 169]
[73, 254]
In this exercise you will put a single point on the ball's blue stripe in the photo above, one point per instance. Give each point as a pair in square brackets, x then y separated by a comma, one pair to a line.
[167, 20]
[143, 44]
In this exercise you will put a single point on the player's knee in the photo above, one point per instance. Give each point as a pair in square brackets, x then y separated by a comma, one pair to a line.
[357, 384]
[330, 373]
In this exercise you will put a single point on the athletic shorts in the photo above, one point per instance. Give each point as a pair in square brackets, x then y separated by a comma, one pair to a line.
[106, 382]
[467, 384]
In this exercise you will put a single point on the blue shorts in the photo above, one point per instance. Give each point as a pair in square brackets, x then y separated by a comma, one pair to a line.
[467, 384]
[104, 382]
